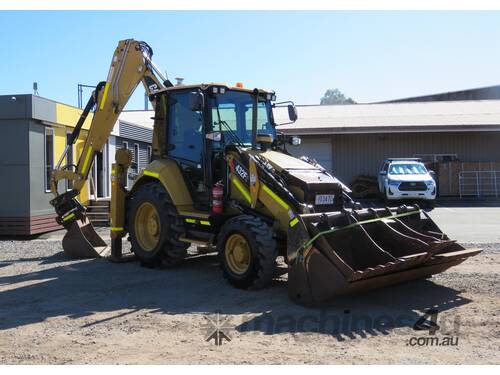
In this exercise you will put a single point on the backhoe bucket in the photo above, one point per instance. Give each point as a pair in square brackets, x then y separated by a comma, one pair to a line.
[82, 241]
[337, 253]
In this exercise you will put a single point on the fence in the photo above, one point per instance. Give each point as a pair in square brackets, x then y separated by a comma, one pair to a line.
[479, 183]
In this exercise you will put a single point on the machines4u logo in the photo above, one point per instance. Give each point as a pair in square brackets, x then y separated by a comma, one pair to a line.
[217, 329]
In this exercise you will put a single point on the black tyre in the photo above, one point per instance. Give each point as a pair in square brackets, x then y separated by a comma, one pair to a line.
[387, 201]
[431, 204]
[247, 252]
[155, 227]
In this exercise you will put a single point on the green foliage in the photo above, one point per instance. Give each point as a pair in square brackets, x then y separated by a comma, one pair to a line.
[335, 96]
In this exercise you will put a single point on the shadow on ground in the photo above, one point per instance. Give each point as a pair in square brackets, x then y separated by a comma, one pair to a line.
[83, 288]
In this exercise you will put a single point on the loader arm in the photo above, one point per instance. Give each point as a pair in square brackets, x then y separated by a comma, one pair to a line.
[130, 65]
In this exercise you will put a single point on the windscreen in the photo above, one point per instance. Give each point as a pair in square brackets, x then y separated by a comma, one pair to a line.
[232, 115]
[412, 168]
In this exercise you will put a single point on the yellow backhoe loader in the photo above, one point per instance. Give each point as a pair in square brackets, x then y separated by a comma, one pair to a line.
[221, 178]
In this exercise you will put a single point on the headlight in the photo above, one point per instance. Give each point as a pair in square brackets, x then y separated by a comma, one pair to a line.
[394, 182]
[429, 183]
[295, 141]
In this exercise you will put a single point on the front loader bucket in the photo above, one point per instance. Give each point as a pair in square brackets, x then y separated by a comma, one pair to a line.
[337, 253]
[81, 241]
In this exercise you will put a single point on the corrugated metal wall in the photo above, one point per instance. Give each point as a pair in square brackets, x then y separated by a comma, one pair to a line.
[135, 132]
[355, 154]
[143, 156]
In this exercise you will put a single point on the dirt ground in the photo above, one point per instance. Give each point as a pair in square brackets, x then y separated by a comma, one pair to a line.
[54, 311]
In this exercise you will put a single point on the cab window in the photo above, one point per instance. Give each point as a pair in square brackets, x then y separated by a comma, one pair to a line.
[185, 129]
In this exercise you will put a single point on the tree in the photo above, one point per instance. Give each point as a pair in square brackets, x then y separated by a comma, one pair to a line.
[335, 96]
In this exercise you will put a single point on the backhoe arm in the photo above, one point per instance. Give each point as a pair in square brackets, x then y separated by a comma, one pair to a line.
[130, 65]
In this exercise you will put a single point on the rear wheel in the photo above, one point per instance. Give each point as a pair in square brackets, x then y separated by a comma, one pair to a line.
[155, 227]
[247, 252]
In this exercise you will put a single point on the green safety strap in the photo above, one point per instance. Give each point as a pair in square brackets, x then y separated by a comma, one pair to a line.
[329, 231]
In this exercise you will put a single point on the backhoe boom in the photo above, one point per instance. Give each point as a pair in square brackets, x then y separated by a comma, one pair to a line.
[130, 65]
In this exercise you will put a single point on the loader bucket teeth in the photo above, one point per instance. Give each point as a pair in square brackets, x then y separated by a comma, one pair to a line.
[81, 241]
[350, 251]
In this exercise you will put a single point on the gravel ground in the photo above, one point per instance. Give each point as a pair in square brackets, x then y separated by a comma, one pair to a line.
[55, 311]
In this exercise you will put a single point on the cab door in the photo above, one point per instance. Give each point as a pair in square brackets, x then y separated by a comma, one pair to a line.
[185, 143]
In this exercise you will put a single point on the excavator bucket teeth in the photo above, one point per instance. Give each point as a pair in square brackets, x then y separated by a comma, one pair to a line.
[350, 251]
[82, 241]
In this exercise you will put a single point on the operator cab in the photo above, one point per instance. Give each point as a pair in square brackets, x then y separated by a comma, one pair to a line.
[203, 121]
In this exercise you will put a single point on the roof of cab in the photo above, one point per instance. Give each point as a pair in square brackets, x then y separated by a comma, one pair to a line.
[205, 86]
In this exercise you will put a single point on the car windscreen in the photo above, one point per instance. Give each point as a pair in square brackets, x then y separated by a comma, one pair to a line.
[412, 168]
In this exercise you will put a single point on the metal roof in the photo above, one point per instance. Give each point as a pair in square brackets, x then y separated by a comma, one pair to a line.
[479, 115]
[141, 118]
[468, 115]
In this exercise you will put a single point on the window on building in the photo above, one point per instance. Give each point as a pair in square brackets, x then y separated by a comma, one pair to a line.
[150, 154]
[125, 147]
[69, 161]
[136, 156]
[49, 156]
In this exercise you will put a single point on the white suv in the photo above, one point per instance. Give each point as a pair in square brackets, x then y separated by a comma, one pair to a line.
[406, 179]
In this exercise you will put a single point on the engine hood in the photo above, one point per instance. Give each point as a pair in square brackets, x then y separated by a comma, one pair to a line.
[305, 180]
[281, 161]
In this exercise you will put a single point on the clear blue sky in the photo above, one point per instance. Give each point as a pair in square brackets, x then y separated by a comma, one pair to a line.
[370, 56]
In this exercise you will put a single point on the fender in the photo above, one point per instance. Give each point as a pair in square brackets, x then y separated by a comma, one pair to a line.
[170, 176]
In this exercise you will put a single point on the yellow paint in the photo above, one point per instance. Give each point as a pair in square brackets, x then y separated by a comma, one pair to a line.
[68, 116]
[104, 96]
[271, 193]
[87, 158]
[243, 190]
[169, 174]
[84, 195]
[59, 143]
[151, 174]
[66, 119]
[70, 216]
[116, 229]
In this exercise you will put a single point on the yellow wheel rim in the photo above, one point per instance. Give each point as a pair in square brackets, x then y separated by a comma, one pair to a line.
[237, 253]
[147, 226]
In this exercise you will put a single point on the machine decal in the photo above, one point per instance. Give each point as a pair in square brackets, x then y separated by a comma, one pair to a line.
[241, 171]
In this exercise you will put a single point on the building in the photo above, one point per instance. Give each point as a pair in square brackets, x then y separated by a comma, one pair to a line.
[137, 138]
[33, 136]
[352, 140]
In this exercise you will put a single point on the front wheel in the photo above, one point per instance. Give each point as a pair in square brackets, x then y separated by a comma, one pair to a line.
[247, 252]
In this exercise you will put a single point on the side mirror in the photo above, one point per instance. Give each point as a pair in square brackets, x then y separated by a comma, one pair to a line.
[292, 113]
[214, 136]
[382, 173]
[196, 101]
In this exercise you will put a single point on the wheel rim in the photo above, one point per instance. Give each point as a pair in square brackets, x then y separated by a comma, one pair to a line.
[237, 253]
[147, 226]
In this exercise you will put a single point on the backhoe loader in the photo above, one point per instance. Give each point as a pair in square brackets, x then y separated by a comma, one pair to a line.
[221, 178]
